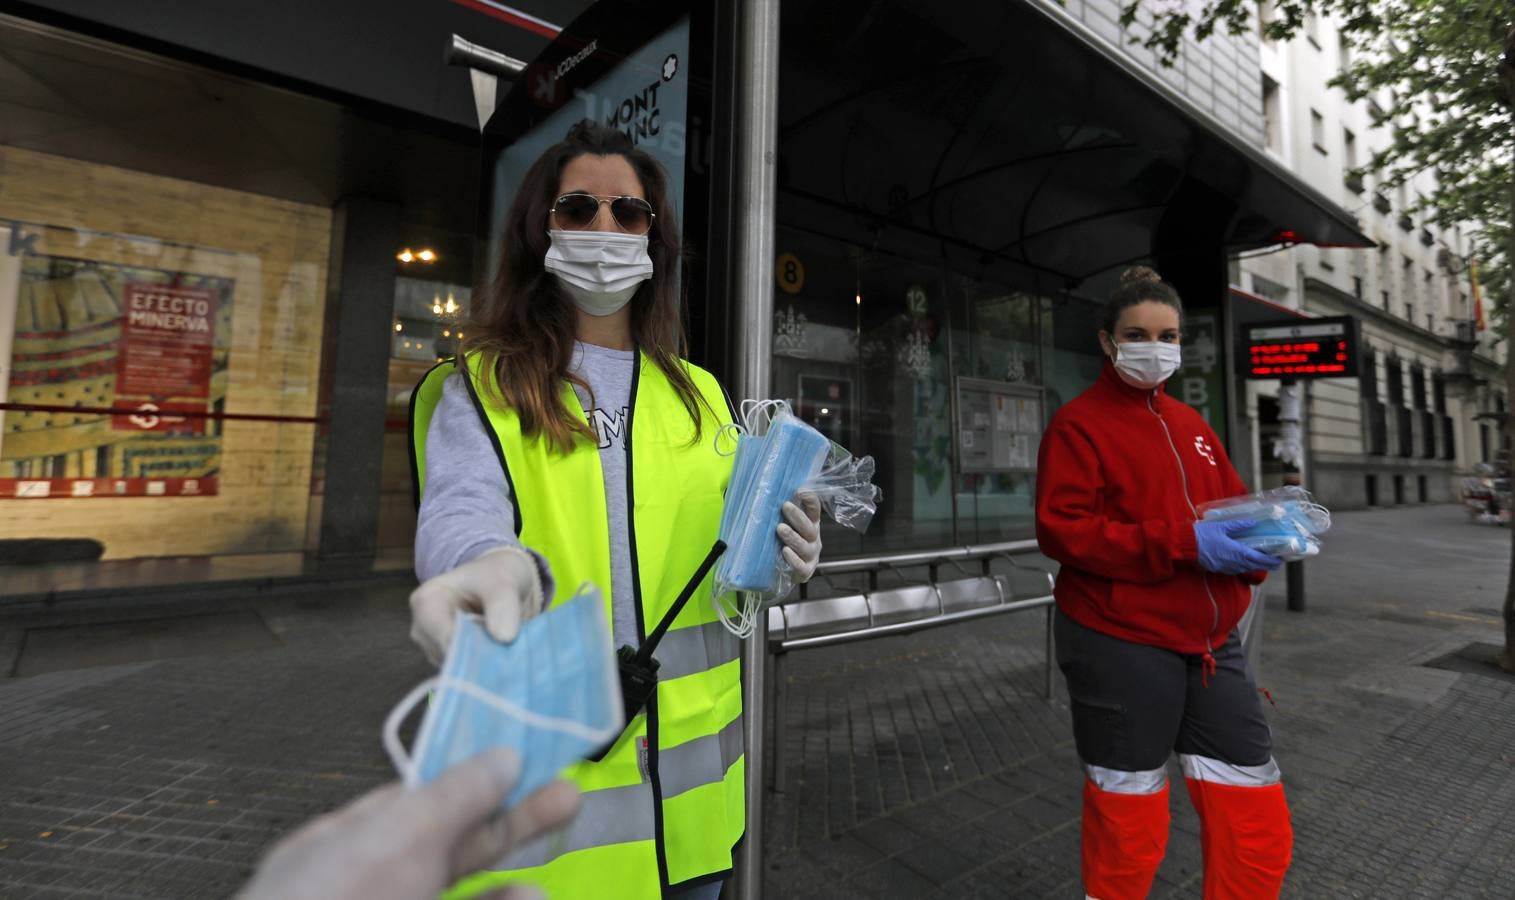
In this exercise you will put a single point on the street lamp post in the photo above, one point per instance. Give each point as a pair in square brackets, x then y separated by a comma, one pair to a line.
[1507, 85]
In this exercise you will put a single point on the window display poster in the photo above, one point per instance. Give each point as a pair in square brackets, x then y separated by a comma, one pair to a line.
[163, 359]
[132, 349]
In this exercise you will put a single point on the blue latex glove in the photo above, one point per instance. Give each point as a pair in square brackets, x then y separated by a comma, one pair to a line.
[1220, 554]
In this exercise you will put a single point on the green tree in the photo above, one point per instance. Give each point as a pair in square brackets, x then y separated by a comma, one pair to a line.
[1453, 62]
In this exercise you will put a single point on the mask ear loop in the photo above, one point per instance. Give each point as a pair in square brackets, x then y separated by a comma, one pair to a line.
[1319, 517]
[749, 415]
[736, 434]
[402, 761]
[758, 415]
[741, 620]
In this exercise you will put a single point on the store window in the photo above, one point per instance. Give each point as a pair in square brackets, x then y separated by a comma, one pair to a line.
[427, 325]
[946, 378]
[1272, 115]
[135, 312]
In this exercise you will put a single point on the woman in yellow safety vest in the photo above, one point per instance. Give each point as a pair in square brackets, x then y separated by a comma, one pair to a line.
[571, 443]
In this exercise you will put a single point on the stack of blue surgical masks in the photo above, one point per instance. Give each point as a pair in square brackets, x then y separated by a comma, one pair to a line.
[1287, 522]
[778, 455]
[770, 468]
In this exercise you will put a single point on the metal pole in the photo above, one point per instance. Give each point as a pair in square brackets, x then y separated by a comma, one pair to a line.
[1295, 571]
[780, 732]
[1051, 652]
[1506, 660]
[754, 182]
[10, 296]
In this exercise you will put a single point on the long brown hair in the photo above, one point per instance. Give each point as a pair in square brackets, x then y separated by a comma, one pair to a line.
[524, 330]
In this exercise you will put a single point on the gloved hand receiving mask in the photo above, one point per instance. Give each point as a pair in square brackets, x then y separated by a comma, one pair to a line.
[801, 535]
[503, 585]
[1220, 554]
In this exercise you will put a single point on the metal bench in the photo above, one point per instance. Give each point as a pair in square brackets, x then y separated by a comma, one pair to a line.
[804, 622]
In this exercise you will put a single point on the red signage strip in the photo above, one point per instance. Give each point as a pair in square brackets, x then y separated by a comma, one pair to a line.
[54, 488]
[176, 413]
[513, 16]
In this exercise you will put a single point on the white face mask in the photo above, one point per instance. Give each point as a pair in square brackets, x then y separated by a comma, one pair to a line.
[1147, 364]
[600, 270]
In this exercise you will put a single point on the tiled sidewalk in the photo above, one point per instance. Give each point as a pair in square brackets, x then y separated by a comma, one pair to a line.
[924, 765]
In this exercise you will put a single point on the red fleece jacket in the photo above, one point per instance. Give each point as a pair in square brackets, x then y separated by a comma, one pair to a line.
[1111, 508]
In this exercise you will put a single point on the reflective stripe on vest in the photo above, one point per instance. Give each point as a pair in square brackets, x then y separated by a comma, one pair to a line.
[685, 755]
[612, 815]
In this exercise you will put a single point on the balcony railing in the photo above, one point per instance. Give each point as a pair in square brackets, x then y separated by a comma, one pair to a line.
[1465, 332]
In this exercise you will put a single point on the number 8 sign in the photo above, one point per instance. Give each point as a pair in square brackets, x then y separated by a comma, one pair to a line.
[790, 273]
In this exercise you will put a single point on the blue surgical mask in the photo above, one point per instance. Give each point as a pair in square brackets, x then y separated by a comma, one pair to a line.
[553, 695]
[770, 467]
[1285, 537]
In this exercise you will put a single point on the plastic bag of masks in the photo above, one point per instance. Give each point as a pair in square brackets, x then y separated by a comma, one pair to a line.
[1287, 521]
[778, 455]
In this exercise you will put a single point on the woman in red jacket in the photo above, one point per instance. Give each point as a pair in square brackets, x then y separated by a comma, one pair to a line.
[1148, 598]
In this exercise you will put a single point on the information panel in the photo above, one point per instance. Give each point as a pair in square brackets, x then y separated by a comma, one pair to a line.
[999, 425]
[1303, 348]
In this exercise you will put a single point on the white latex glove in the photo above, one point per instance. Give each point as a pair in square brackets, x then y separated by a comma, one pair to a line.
[399, 844]
[503, 585]
[800, 533]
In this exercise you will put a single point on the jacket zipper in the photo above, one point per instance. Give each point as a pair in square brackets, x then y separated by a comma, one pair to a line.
[1184, 479]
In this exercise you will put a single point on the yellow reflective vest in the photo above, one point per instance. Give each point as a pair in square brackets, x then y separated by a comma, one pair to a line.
[666, 805]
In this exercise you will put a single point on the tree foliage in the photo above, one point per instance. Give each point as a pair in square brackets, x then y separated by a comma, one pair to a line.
[1438, 60]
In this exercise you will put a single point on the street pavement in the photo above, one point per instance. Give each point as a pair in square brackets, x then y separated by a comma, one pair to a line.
[159, 758]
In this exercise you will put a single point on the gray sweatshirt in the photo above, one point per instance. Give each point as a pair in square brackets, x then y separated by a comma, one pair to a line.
[466, 509]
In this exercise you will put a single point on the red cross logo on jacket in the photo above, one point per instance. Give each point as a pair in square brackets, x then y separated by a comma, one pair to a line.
[1203, 447]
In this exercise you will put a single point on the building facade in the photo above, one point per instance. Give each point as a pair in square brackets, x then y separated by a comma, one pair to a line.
[1424, 410]
[234, 245]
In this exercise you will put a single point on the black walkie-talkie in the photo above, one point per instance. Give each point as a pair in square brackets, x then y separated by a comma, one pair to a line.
[638, 668]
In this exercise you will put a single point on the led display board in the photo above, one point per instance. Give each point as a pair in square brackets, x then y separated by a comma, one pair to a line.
[1303, 348]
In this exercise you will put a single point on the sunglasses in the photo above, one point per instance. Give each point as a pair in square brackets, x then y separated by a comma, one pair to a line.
[577, 212]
